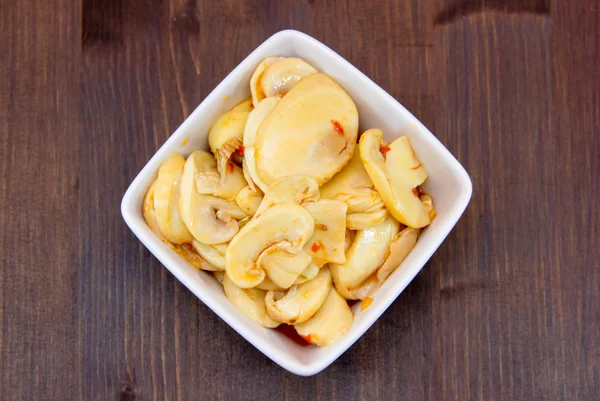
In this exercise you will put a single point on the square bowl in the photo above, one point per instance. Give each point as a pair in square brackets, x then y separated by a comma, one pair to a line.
[448, 184]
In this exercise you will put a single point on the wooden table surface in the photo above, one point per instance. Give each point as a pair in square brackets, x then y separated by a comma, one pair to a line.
[507, 309]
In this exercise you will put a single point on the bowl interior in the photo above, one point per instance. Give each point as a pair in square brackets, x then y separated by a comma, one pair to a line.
[448, 184]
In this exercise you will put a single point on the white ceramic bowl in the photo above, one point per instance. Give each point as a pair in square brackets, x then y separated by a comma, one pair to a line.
[448, 183]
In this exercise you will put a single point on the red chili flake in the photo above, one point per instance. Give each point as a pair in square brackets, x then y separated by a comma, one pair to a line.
[383, 207]
[337, 127]
[315, 247]
[230, 166]
[384, 149]
[307, 338]
[241, 150]
[415, 192]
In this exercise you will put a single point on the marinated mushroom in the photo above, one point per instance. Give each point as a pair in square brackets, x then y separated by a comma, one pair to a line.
[300, 302]
[396, 172]
[309, 273]
[401, 246]
[249, 200]
[369, 250]
[293, 189]
[311, 131]
[167, 191]
[213, 254]
[286, 226]
[255, 87]
[225, 137]
[210, 182]
[327, 242]
[333, 319]
[254, 121]
[353, 186]
[244, 105]
[189, 254]
[210, 219]
[283, 267]
[149, 212]
[249, 301]
[281, 76]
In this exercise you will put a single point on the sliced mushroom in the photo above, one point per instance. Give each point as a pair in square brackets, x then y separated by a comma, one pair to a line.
[309, 273]
[255, 87]
[327, 243]
[251, 302]
[220, 276]
[225, 137]
[331, 322]
[300, 302]
[268, 285]
[369, 250]
[311, 131]
[211, 254]
[249, 200]
[254, 121]
[293, 189]
[396, 176]
[286, 226]
[353, 186]
[167, 190]
[210, 182]
[281, 266]
[281, 76]
[244, 105]
[401, 246]
[210, 219]
[149, 212]
[187, 252]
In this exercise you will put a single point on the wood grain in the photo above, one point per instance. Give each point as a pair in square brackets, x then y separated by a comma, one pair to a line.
[507, 309]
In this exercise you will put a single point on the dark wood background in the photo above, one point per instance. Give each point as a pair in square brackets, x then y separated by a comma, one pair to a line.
[507, 309]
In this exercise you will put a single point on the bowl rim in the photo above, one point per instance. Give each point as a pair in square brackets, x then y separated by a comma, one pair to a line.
[143, 233]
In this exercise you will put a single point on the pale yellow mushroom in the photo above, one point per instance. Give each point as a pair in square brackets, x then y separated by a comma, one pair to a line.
[281, 266]
[353, 186]
[255, 88]
[401, 246]
[167, 190]
[327, 243]
[286, 227]
[331, 322]
[244, 105]
[311, 131]
[220, 276]
[369, 250]
[249, 200]
[254, 121]
[149, 212]
[211, 253]
[281, 76]
[189, 254]
[299, 302]
[296, 189]
[251, 302]
[210, 182]
[210, 219]
[309, 273]
[396, 176]
[225, 137]
[268, 285]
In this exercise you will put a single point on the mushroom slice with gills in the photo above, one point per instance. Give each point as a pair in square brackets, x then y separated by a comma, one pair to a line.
[331, 322]
[225, 137]
[296, 189]
[280, 77]
[311, 131]
[187, 252]
[286, 226]
[210, 219]
[401, 246]
[281, 266]
[254, 121]
[353, 186]
[210, 182]
[396, 176]
[244, 105]
[250, 301]
[167, 192]
[255, 88]
[249, 200]
[211, 254]
[300, 302]
[369, 250]
[327, 243]
[309, 273]
[149, 212]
